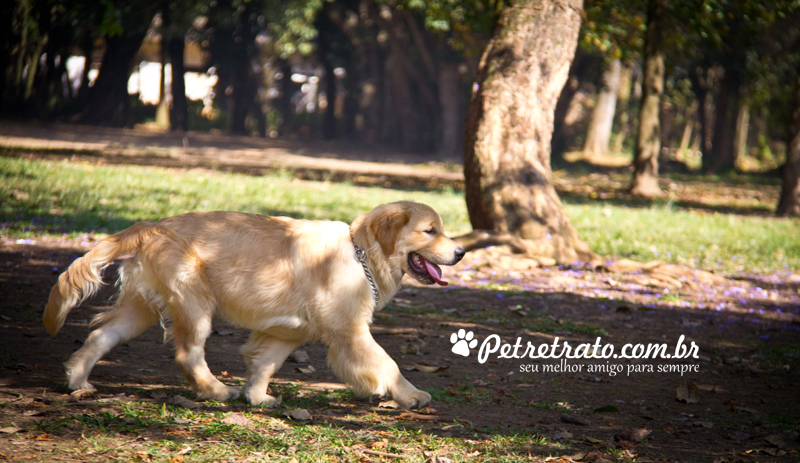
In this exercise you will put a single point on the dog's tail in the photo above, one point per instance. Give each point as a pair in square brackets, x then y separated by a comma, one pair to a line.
[83, 277]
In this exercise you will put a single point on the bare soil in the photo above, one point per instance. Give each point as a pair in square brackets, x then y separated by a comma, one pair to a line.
[748, 408]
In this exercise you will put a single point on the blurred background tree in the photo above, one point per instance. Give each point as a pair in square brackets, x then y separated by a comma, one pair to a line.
[399, 74]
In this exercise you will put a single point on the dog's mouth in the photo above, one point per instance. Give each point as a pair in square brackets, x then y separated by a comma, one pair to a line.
[424, 271]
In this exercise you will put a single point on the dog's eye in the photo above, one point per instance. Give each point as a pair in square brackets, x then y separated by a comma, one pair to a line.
[431, 231]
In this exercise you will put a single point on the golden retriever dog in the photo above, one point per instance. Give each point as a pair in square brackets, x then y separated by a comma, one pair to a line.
[288, 281]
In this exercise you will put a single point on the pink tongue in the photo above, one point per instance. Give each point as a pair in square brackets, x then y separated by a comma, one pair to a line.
[434, 271]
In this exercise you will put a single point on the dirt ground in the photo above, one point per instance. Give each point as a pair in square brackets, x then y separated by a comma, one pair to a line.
[747, 408]
[743, 393]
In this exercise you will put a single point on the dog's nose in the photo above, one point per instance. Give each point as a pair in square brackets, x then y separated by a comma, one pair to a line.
[459, 252]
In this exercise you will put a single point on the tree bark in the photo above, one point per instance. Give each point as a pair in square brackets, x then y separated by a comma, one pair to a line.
[180, 107]
[742, 126]
[723, 156]
[648, 142]
[623, 100]
[449, 99]
[599, 134]
[106, 102]
[162, 111]
[580, 67]
[510, 123]
[789, 202]
[686, 138]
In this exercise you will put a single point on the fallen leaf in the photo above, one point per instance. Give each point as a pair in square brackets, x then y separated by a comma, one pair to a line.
[592, 440]
[225, 375]
[158, 395]
[182, 401]
[389, 404]
[738, 435]
[774, 439]
[237, 419]
[558, 435]
[10, 429]
[306, 370]
[632, 435]
[32, 413]
[427, 368]
[573, 420]
[421, 417]
[81, 394]
[440, 460]
[687, 392]
[300, 414]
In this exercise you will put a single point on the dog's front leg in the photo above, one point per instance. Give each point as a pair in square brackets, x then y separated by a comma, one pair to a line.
[363, 364]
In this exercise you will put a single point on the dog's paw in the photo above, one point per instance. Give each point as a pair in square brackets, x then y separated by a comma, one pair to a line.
[222, 394]
[261, 399]
[413, 399]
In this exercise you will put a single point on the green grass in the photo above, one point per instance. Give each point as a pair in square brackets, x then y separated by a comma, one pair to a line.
[158, 432]
[55, 198]
[62, 197]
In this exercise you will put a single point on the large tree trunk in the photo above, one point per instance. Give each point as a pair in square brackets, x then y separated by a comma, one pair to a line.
[648, 142]
[723, 156]
[509, 125]
[789, 202]
[599, 134]
[180, 107]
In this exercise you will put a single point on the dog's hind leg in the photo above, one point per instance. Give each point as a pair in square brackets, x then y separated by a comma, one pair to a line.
[191, 327]
[264, 354]
[131, 316]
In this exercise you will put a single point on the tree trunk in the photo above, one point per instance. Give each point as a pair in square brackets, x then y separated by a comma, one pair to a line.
[789, 202]
[742, 126]
[723, 155]
[702, 81]
[509, 125]
[449, 99]
[106, 102]
[599, 134]
[162, 111]
[623, 100]
[180, 107]
[580, 67]
[687, 131]
[648, 142]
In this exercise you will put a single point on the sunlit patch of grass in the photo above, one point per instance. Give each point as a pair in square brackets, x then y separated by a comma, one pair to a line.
[73, 198]
[722, 242]
[55, 198]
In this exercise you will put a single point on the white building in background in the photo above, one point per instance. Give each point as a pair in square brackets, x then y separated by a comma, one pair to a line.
[145, 77]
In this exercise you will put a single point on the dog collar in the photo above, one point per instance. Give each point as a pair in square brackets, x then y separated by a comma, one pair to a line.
[361, 256]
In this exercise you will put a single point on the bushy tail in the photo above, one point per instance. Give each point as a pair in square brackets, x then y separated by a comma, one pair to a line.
[83, 277]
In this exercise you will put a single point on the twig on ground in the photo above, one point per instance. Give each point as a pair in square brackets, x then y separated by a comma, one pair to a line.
[383, 454]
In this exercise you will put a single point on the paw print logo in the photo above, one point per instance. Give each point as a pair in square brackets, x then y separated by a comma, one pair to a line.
[463, 342]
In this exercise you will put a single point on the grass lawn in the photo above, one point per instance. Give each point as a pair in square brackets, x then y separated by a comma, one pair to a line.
[64, 198]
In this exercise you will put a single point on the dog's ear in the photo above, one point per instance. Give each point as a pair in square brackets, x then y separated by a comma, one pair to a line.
[386, 227]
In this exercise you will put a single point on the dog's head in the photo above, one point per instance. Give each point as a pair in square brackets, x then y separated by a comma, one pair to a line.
[412, 237]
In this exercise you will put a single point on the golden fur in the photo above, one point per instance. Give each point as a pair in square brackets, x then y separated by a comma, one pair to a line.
[288, 281]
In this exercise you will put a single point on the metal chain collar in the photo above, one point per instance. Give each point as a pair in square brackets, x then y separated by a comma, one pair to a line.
[361, 256]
